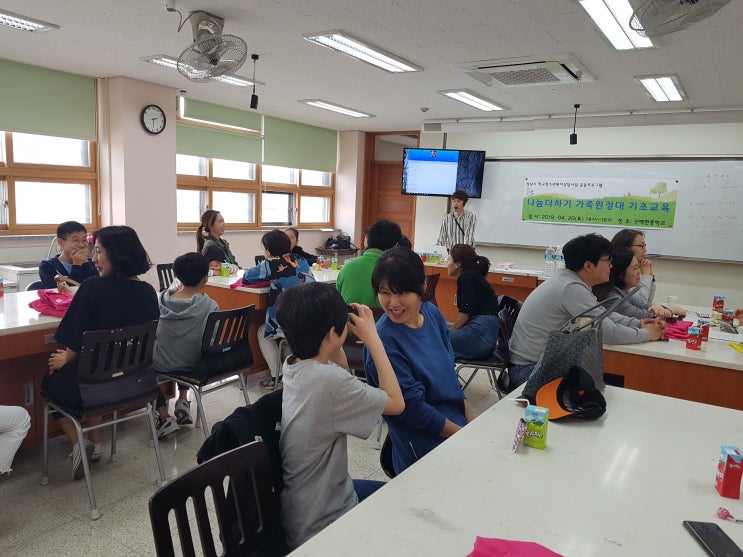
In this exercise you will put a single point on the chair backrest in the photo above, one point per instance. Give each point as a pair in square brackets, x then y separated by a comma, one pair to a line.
[354, 348]
[246, 510]
[429, 289]
[165, 275]
[509, 312]
[35, 285]
[114, 368]
[225, 347]
[259, 259]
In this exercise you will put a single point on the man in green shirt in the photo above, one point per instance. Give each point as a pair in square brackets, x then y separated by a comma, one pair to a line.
[354, 279]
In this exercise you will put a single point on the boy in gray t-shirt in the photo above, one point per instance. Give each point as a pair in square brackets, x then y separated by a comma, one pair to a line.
[322, 404]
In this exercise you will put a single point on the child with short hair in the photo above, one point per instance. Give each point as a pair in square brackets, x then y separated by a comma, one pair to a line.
[322, 404]
[73, 261]
[177, 350]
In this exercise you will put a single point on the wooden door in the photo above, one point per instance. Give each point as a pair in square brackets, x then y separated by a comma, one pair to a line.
[383, 200]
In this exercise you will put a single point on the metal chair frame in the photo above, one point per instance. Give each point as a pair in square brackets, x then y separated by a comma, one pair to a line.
[115, 373]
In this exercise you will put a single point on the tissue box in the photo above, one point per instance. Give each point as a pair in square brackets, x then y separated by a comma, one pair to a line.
[537, 420]
[729, 468]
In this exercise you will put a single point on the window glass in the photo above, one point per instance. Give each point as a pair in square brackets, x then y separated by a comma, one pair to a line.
[190, 205]
[42, 149]
[314, 209]
[278, 174]
[222, 168]
[276, 208]
[315, 178]
[236, 207]
[71, 202]
[190, 165]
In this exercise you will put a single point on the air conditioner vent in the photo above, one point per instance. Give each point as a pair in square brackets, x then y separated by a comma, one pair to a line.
[523, 72]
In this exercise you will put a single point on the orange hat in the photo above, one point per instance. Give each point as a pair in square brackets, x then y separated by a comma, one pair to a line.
[573, 395]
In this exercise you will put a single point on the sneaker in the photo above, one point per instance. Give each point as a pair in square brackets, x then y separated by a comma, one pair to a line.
[93, 450]
[268, 383]
[183, 412]
[166, 426]
[77, 459]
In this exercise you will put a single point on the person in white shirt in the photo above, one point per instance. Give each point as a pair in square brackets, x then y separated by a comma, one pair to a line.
[14, 425]
[458, 227]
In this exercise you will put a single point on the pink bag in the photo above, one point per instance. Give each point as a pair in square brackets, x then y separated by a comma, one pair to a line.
[678, 330]
[51, 302]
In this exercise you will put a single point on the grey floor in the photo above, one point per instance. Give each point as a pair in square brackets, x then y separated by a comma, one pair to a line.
[38, 520]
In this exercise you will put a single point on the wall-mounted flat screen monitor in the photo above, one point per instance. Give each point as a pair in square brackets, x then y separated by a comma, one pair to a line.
[442, 172]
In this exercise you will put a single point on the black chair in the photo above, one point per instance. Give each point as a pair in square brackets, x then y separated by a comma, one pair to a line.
[225, 354]
[165, 275]
[498, 363]
[35, 285]
[115, 374]
[246, 509]
[429, 289]
[385, 458]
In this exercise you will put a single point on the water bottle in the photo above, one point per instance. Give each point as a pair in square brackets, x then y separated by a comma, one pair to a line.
[560, 259]
[549, 253]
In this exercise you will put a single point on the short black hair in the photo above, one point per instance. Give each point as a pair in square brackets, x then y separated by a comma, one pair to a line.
[590, 247]
[190, 268]
[401, 269]
[621, 259]
[625, 238]
[68, 227]
[405, 243]
[306, 313]
[124, 251]
[461, 195]
[383, 234]
[276, 242]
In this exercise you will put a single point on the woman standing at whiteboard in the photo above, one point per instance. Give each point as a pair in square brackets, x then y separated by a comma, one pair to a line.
[634, 240]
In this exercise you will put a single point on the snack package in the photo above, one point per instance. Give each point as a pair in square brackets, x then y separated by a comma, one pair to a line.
[729, 468]
[537, 420]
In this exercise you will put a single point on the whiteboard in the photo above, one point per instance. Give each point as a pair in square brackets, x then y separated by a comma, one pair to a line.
[709, 213]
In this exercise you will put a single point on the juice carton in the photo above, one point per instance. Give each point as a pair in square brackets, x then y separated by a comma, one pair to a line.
[727, 315]
[718, 303]
[729, 468]
[694, 338]
[537, 420]
[703, 325]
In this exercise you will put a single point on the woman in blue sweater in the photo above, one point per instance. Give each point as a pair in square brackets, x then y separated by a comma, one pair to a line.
[416, 340]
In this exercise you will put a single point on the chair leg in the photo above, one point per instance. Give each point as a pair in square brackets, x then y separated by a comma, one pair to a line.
[114, 448]
[244, 387]
[201, 417]
[471, 377]
[153, 433]
[95, 514]
[45, 448]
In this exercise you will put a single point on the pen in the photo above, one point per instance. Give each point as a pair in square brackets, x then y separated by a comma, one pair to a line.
[652, 255]
[664, 339]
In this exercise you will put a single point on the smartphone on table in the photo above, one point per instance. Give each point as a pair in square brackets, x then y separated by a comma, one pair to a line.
[712, 538]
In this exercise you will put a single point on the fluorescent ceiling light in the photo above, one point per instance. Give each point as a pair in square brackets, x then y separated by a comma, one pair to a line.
[356, 48]
[663, 88]
[319, 103]
[23, 23]
[612, 17]
[172, 63]
[468, 97]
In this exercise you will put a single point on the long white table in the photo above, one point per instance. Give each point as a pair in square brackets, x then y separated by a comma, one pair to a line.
[618, 486]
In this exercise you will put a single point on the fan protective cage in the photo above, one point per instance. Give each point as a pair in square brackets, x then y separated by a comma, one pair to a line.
[654, 18]
[212, 56]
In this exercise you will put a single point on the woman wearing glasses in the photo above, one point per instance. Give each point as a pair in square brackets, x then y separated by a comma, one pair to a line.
[634, 240]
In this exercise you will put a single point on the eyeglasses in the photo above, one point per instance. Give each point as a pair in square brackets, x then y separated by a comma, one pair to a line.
[643, 245]
[608, 259]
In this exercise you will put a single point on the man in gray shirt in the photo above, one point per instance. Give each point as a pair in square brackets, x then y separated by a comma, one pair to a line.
[565, 295]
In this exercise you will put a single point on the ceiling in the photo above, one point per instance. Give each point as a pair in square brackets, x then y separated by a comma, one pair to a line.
[105, 38]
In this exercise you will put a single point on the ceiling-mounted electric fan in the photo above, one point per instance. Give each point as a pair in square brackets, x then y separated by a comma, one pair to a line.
[653, 18]
[211, 54]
